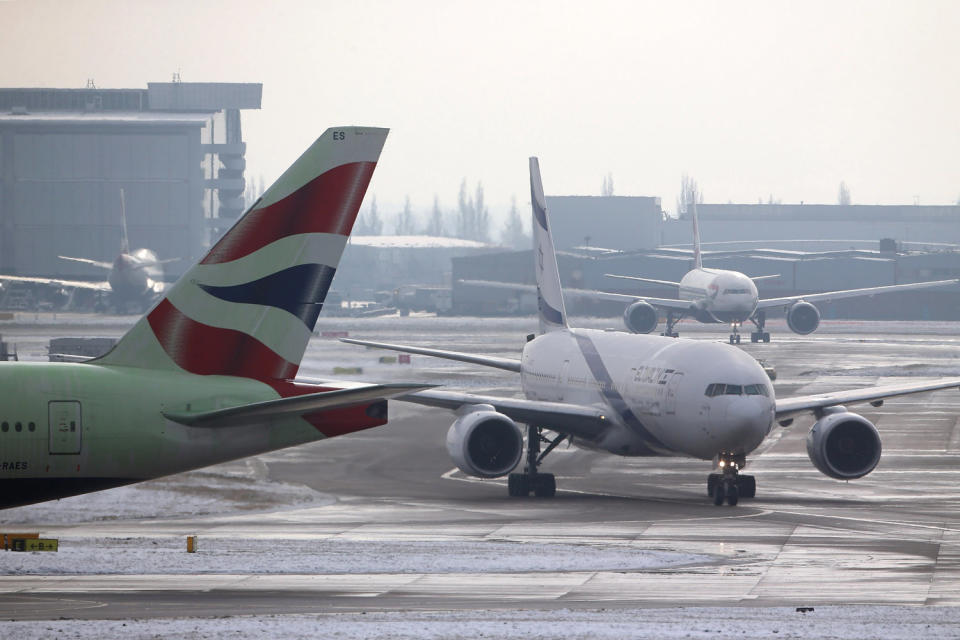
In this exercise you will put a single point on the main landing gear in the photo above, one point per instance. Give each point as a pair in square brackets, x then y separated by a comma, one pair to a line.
[542, 485]
[759, 319]
[730, 485]
[672, 320]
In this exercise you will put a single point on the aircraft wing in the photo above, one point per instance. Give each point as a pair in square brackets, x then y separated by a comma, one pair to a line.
[665, 303]
[790, 406]
[576, 420]
[95, 263]
[79, 284]
[639, 279]
[295, 405]
[852, 293]
[488, 361]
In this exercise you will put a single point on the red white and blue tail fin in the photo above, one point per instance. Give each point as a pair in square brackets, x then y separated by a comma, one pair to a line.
[249, 307]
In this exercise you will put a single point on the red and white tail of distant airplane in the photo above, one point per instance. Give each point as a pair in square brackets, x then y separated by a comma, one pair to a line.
[208, 375]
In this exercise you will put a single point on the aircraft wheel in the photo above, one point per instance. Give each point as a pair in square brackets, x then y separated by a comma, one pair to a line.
[754, 337]
[719, 493]
[546, 485]
[766, 337]
[733, 494]
[712, 481]
[747, 486]
[518, 485]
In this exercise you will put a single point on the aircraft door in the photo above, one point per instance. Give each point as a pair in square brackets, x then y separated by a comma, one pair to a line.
[670, 401]
[66, 427]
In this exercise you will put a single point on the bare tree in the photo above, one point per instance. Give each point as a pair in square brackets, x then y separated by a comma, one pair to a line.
[435, 224]
[689, 194]
[843, 195]
[607, 189]
[513, 234]
[370, 224]
[473, 217]
[406, 225]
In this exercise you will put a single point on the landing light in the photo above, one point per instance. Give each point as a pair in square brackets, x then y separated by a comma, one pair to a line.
[722, 464]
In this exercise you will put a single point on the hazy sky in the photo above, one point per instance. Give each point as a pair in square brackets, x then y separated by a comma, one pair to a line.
[749, 98]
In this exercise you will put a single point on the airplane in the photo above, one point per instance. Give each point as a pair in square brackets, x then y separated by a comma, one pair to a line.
[638, 395]
[134, 278]
[208, 374]
[719, 296]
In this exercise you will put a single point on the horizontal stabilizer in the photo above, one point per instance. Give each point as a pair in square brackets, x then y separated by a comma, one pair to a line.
[758, 278]
[669, 283]
[487, 361]
[295, 405]
[94, 263]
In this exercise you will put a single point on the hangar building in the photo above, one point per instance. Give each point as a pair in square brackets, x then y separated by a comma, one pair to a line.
[175, 148]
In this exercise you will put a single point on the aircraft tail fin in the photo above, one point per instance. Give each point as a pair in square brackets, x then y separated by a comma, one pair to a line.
[553, 315]
[124, 238]
[249, 306]
[697, 259]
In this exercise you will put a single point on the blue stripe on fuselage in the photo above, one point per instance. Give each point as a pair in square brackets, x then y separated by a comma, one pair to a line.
[600, 373]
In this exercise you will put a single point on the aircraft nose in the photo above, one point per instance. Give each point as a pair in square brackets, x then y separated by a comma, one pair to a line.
[746, 424]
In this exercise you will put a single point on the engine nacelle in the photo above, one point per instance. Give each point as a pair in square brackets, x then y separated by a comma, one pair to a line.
[484, 443]
[803, 318]
[641, 317]
[844, 445]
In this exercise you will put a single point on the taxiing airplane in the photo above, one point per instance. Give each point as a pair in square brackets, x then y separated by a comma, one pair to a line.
[720, 296]
[208, 375]
[639, 395]
[134, 278]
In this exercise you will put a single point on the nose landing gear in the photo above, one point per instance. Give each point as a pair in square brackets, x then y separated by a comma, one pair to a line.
[730, 485]
[734, 333]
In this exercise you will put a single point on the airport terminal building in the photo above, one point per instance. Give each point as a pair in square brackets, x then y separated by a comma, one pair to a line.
[175, 149]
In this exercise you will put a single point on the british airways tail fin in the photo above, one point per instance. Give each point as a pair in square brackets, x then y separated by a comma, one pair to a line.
[553, 316]
[697, 259]
[249, 307]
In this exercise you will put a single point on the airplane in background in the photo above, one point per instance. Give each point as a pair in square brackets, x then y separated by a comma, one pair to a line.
[134, 278]
[208, 375]
[638, 395]
[719, 296]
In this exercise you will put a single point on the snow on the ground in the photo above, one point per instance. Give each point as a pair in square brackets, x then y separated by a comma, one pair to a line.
[153, 556]
[226, 488]
[827, 623]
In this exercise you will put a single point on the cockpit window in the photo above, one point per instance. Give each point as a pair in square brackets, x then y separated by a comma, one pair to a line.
[735, 291]
[723, 389]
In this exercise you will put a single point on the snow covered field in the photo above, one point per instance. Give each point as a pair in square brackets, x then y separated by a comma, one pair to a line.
[826, 623]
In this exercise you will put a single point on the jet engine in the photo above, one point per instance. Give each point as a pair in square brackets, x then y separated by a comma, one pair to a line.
[484, 443]
[803, 318]
[641, 317]
[844, 445]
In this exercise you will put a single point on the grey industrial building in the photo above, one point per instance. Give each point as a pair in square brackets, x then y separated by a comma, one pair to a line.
[175, 148]
[811, 247]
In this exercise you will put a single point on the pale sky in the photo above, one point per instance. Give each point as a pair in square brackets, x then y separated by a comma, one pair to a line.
[749, 98]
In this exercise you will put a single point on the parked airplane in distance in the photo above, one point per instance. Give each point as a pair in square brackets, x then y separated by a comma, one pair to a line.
[719, 296]
[639, 395]
[208, 374]
[134, 278]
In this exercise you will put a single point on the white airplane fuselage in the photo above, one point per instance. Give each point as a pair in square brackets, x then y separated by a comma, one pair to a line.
[720, 295]
[654, 391]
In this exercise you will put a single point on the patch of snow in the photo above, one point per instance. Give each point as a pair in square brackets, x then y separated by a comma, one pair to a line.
[827, 623]
[325, 556]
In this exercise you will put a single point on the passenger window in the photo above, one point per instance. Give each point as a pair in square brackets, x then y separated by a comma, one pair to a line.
[5, 427]
[734, 390]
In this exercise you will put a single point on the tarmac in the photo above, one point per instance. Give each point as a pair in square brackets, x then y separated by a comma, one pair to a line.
[891, 538]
